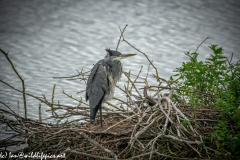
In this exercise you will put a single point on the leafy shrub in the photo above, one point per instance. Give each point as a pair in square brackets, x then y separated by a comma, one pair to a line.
[213, 83]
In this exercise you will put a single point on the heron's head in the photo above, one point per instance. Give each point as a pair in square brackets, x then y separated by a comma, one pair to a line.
[115, 55]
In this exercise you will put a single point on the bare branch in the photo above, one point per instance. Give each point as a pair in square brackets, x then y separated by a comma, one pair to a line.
[23, 86]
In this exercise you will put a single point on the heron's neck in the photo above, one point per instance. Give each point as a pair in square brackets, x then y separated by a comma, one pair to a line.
[115, 67]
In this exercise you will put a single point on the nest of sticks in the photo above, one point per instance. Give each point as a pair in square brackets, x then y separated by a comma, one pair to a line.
[160, 130]
[143, 126]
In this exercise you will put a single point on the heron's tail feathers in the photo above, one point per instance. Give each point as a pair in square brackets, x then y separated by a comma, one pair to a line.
[93, 112]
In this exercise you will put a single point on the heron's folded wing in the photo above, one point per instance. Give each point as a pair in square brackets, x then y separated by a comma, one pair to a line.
[97, 84]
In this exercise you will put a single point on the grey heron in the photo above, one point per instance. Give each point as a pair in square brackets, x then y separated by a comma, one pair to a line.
[102, 81]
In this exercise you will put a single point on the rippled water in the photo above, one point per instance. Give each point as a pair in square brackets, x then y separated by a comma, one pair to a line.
[48, 39]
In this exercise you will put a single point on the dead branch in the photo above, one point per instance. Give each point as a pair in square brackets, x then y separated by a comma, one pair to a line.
[23, 86]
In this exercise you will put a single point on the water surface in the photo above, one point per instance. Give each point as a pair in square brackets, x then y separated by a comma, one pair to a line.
[47, 39]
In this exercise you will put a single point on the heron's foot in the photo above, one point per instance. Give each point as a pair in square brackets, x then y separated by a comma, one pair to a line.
[99, 123]
[93, 122]
[96, 124]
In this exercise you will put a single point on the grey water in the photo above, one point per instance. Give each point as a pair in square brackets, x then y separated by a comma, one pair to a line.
[54, 38]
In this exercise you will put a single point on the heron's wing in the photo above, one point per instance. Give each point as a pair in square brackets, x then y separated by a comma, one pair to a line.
[97, 84]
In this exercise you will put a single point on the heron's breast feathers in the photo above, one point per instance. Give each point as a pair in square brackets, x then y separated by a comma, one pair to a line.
[101, 82]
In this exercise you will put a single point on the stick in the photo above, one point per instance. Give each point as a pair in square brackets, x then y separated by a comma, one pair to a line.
[121, 35]
[40, 113]
[101, 116]
[201, 43]
[53, 90]
[23, 86]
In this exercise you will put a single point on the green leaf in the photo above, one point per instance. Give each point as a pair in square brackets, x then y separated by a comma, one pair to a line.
[222, 57]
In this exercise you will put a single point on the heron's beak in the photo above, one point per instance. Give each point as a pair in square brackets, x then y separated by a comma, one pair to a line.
[126, 55]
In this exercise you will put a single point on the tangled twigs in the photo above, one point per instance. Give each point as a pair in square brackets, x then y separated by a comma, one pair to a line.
[143, 125]
[98, 145]
[23, 85]
[144, 133]
[156, 71]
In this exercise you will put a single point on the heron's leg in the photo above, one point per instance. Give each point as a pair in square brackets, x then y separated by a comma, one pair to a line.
[101, 116]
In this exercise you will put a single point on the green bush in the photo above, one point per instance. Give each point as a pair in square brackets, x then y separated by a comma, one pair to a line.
[214, 82]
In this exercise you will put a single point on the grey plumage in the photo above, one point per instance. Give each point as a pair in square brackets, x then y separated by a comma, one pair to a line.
[102, 80]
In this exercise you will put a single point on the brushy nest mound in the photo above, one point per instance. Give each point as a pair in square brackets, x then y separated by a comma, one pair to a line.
[144, 126]
[160, 130]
